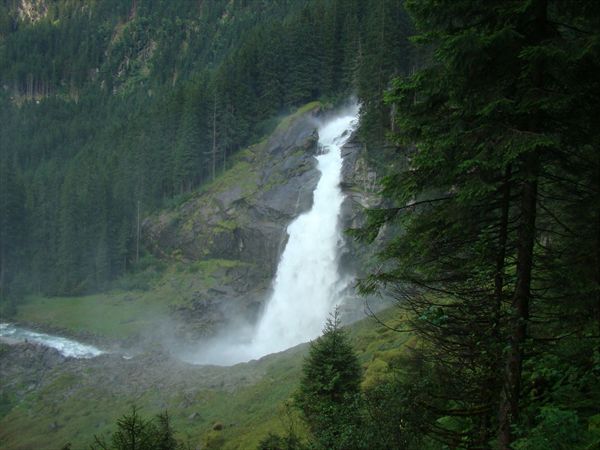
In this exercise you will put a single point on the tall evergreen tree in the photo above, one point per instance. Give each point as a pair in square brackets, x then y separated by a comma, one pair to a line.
[191, 148]
[329, 392]
[137, 433]
[12, 225]
[491, 117]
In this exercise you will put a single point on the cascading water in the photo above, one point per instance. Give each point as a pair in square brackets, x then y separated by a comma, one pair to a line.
[307, 284]
[66, 347]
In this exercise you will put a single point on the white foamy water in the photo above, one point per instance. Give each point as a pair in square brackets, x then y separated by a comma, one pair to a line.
[308, 284]
[66, 347]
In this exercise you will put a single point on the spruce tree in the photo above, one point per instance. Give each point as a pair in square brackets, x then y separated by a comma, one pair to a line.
[329, 392]
[487, 129]
[12, 223]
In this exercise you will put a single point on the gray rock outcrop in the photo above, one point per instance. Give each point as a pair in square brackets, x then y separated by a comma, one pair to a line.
[241, 217]
[361, 189]
[243, 214]
[239, 222]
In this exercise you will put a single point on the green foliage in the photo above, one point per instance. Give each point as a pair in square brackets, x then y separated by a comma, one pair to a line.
[490, 201]
[110, 105]
[277, 442]
[136, 433]
[329, 392]
[12, 217]
[394, 405]
[83, 401]
[556, 430]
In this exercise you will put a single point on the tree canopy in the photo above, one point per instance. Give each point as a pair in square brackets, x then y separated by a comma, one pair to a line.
[107, 106]
[496, 131]
[329, 392]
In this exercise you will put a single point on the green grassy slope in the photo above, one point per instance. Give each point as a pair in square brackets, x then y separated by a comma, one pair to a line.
[123, 313]
[74, 400]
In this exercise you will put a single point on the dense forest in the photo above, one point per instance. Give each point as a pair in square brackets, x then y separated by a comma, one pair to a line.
[498, 262]
[486, 123]
[113, 109]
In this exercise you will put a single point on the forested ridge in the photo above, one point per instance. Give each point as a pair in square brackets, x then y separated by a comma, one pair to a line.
[112, 106]
[486, 126]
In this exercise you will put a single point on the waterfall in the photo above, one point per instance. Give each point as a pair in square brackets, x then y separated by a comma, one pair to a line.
[307, 284]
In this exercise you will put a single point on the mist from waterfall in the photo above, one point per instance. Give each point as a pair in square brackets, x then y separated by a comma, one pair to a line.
[307, 284]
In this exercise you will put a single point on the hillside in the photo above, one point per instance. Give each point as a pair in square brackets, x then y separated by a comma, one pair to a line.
[214, 254]
[206, 181]
[111, 111]
[62, 400]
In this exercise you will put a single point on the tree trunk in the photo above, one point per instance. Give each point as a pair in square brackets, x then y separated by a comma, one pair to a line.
[598, 254]
[214, 138]
[492, 384]
[509, 402]
[511, 388]
[501, 256]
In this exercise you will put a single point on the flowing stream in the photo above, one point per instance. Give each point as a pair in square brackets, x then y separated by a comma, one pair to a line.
[308, 284]
[66, 347]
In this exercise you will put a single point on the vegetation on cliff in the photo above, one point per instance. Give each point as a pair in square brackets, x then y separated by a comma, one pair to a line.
[111, 109]
[490, 213]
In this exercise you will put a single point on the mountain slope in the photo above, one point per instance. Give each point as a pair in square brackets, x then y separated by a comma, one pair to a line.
[213, 255]
[62, 400]
[111, 108]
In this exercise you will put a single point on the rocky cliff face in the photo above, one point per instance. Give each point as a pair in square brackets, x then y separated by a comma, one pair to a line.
[360, 185]
[243, 214]
[32, 10]
[242, 218]
[239, 221]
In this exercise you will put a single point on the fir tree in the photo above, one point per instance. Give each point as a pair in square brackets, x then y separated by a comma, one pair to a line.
[487, 129]
[12, 222]
[329, 392]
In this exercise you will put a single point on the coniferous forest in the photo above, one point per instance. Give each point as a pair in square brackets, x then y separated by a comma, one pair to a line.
[110, 105]
[482, 118]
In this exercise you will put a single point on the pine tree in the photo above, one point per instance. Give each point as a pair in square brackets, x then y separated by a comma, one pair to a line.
[165, 439]
[329, 392]
[12, 223]
[137, 433]
[490, 121]
[190, 165]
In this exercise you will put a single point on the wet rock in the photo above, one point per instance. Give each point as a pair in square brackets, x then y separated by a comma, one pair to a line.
[241, 217]
[245, 215]
[360, 184]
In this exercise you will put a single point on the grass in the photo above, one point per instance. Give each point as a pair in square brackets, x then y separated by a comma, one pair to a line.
[287, 120]
[78, 403]
[113, 315]
[75, 401]
[243, 171]
[119, 315]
